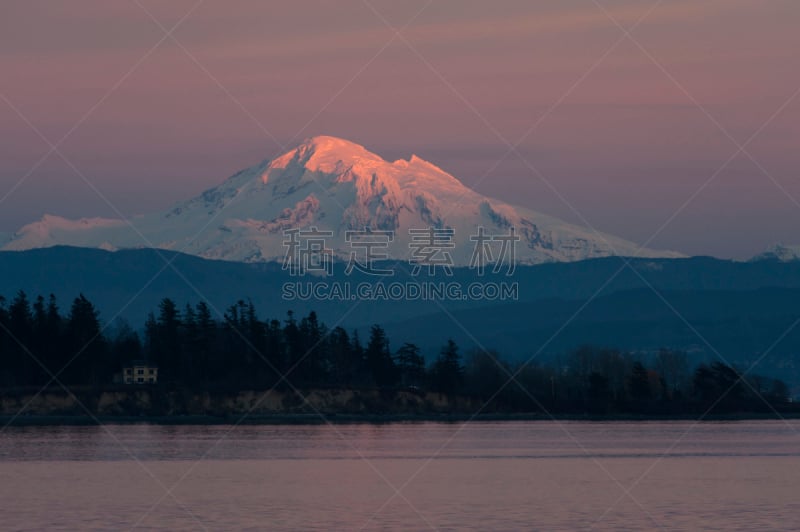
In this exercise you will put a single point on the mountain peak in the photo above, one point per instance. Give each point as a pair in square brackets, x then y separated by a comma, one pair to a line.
[322, 153]
[332, 149]
[327, 143]
[336, 186]
[347, 161]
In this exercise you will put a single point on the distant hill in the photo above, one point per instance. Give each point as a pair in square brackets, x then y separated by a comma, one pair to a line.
[739, 307]
[738, 325]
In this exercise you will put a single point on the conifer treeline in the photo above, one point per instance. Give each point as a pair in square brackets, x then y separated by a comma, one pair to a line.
[195, 351]
[35, 337]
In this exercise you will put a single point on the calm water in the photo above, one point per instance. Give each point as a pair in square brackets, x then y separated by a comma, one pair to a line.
[481, 476]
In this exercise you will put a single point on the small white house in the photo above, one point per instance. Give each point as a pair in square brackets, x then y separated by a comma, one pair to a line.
[140, 372]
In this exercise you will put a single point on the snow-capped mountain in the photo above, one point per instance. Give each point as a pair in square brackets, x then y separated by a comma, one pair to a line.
[780, 252]
[332, 185]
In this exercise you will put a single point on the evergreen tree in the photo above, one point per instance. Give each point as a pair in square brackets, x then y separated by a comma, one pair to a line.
[21, 317]
[411, 365]
[39, 341]
[256, 334]
[275, 350]
[190, 370]
[168, 354]
[313, 367]
[361, 374]
[294, 344]
[447, 373]
[6, 362]
[125, 345]
[379, 360]
[204, 344]
[342, 366]
[151, 339]
[52, 333]
[39, 314]
[89, 365]
[20, 339]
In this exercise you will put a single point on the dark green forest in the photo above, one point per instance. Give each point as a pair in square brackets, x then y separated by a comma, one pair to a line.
[42, 345]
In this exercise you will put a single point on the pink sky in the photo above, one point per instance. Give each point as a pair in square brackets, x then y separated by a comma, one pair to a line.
[624, 144]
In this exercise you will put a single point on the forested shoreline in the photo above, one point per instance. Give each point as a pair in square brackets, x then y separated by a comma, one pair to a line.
[199, 355]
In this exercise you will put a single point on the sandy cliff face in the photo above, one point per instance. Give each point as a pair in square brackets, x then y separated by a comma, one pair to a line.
[154, 402]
